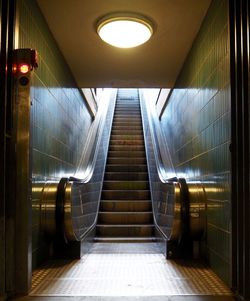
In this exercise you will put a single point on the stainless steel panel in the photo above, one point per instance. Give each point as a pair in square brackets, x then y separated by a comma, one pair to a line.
[48, 207]
[23, 206]
[197, 210]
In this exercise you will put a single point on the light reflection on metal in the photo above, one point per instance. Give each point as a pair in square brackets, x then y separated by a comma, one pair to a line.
[68, 225]
[48, 207]
[197, 210]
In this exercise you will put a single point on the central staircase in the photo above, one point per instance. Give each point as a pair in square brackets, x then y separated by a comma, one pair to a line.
[125, 213]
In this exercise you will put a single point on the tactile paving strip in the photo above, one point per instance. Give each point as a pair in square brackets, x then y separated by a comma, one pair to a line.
[125, 274]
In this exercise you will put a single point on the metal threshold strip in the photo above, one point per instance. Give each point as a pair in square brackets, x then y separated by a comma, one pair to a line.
[134, 269]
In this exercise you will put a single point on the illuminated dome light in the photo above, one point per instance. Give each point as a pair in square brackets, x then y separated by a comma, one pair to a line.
[125, 32]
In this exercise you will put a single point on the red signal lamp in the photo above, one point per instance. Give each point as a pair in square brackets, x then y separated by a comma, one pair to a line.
[24, 61]
[14, 68]
[24, 68]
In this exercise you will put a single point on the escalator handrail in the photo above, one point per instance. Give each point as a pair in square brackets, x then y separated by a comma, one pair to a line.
[158, 159]
[88, 157]
[58, 194]
[161, 151]
[187, 198]
[88, 176]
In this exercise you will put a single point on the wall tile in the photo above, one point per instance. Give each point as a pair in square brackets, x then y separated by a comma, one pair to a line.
[60, 119]
[196, 124]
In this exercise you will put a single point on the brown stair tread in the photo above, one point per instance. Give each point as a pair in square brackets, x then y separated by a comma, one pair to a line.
[125, 167]
[126, 175]
[125, 205]
[140, 230]
[125, 185]
[125, 239]
[126, 194]
[125, 218]
[126, 131]
[127, 153]
[126, 137]
[126, 160]
[126, 142]
[126, 147]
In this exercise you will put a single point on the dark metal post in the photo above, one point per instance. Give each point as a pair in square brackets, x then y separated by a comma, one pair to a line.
[3, 62]
[23, 62]
[239, 51]
[6, 205]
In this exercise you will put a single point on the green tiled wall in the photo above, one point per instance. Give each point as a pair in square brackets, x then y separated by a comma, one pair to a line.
[196, 124]
[60, 119]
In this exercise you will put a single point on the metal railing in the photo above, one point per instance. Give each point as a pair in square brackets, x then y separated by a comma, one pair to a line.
[178, 205]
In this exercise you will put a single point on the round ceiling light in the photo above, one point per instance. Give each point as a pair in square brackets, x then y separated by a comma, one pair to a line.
[125, 31]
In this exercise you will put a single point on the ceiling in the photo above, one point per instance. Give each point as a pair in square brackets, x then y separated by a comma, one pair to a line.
[96, 64]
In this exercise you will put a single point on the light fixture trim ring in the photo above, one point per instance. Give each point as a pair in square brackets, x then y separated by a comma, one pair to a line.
[139, 19]
[125, 17]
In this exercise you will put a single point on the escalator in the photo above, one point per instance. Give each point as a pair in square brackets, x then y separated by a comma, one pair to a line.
[125, 213]
[126, 217]
[123, 195]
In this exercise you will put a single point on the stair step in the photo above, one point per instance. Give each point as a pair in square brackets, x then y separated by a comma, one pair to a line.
[126, 154]
[132, 176]
[126, 148]
[126, 117]
[125, 195]
[127, 105]
[127, 161]
[125, 230]
[125, 218]
[127, 128]
[127, 112]
[125, 185]
[126, 100]
[126, 137]
[126, 120]
[130, 168]
[126, 124]
[125, 239]
[126, 131]
[125, 205]
[126, 142]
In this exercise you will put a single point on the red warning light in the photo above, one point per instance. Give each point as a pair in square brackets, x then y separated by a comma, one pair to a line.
[24, 68]
[14, 68]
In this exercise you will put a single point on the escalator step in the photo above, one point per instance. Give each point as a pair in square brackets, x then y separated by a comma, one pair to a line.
[125, 205]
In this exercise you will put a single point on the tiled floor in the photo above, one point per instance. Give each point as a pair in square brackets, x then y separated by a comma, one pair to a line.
[127, 272]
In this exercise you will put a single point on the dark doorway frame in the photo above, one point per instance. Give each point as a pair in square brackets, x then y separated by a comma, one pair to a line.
[240, 85]
[7, 179]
